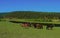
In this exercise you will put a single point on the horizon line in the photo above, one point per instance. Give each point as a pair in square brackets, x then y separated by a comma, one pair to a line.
[29, 11]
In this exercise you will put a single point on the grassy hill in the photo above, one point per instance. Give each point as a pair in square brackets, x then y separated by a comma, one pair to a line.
[30, 15]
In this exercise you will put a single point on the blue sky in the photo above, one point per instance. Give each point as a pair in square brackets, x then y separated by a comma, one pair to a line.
[30, 5]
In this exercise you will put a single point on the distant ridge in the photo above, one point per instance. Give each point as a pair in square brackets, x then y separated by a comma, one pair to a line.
[30, 14]
[29, 11]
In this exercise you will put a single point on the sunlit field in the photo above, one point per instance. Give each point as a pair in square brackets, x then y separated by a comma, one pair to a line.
[29, 19]
[14, 30]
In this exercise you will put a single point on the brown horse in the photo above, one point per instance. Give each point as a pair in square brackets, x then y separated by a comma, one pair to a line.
[38, 25]
[26, 25]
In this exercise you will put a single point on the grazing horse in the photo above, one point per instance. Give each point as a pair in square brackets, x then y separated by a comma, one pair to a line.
[50, 26]
[26, 24]
[38, 25]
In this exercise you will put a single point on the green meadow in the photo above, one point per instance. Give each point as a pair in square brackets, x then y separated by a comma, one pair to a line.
[14, 30]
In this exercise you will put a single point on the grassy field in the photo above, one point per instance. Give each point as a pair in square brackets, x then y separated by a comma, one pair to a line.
[13, 30]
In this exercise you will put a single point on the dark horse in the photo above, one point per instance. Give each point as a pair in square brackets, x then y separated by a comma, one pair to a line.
[49, 26]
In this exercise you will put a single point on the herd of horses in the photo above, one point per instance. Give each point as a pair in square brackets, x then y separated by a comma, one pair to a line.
[35, 25]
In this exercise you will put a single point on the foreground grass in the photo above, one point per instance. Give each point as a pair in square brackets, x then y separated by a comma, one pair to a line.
[12, 30]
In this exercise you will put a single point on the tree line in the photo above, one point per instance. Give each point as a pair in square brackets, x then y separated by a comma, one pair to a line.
[30, 15]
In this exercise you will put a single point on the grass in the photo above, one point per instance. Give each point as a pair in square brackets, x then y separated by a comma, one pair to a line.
[13, 30]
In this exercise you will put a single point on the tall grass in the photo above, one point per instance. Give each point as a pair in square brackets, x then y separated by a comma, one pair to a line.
[13, 30]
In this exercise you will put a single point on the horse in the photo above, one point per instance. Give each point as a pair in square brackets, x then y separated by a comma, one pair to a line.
[50, 26]
[38, 25]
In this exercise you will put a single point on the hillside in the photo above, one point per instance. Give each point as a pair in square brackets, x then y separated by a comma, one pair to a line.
[30, 14]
